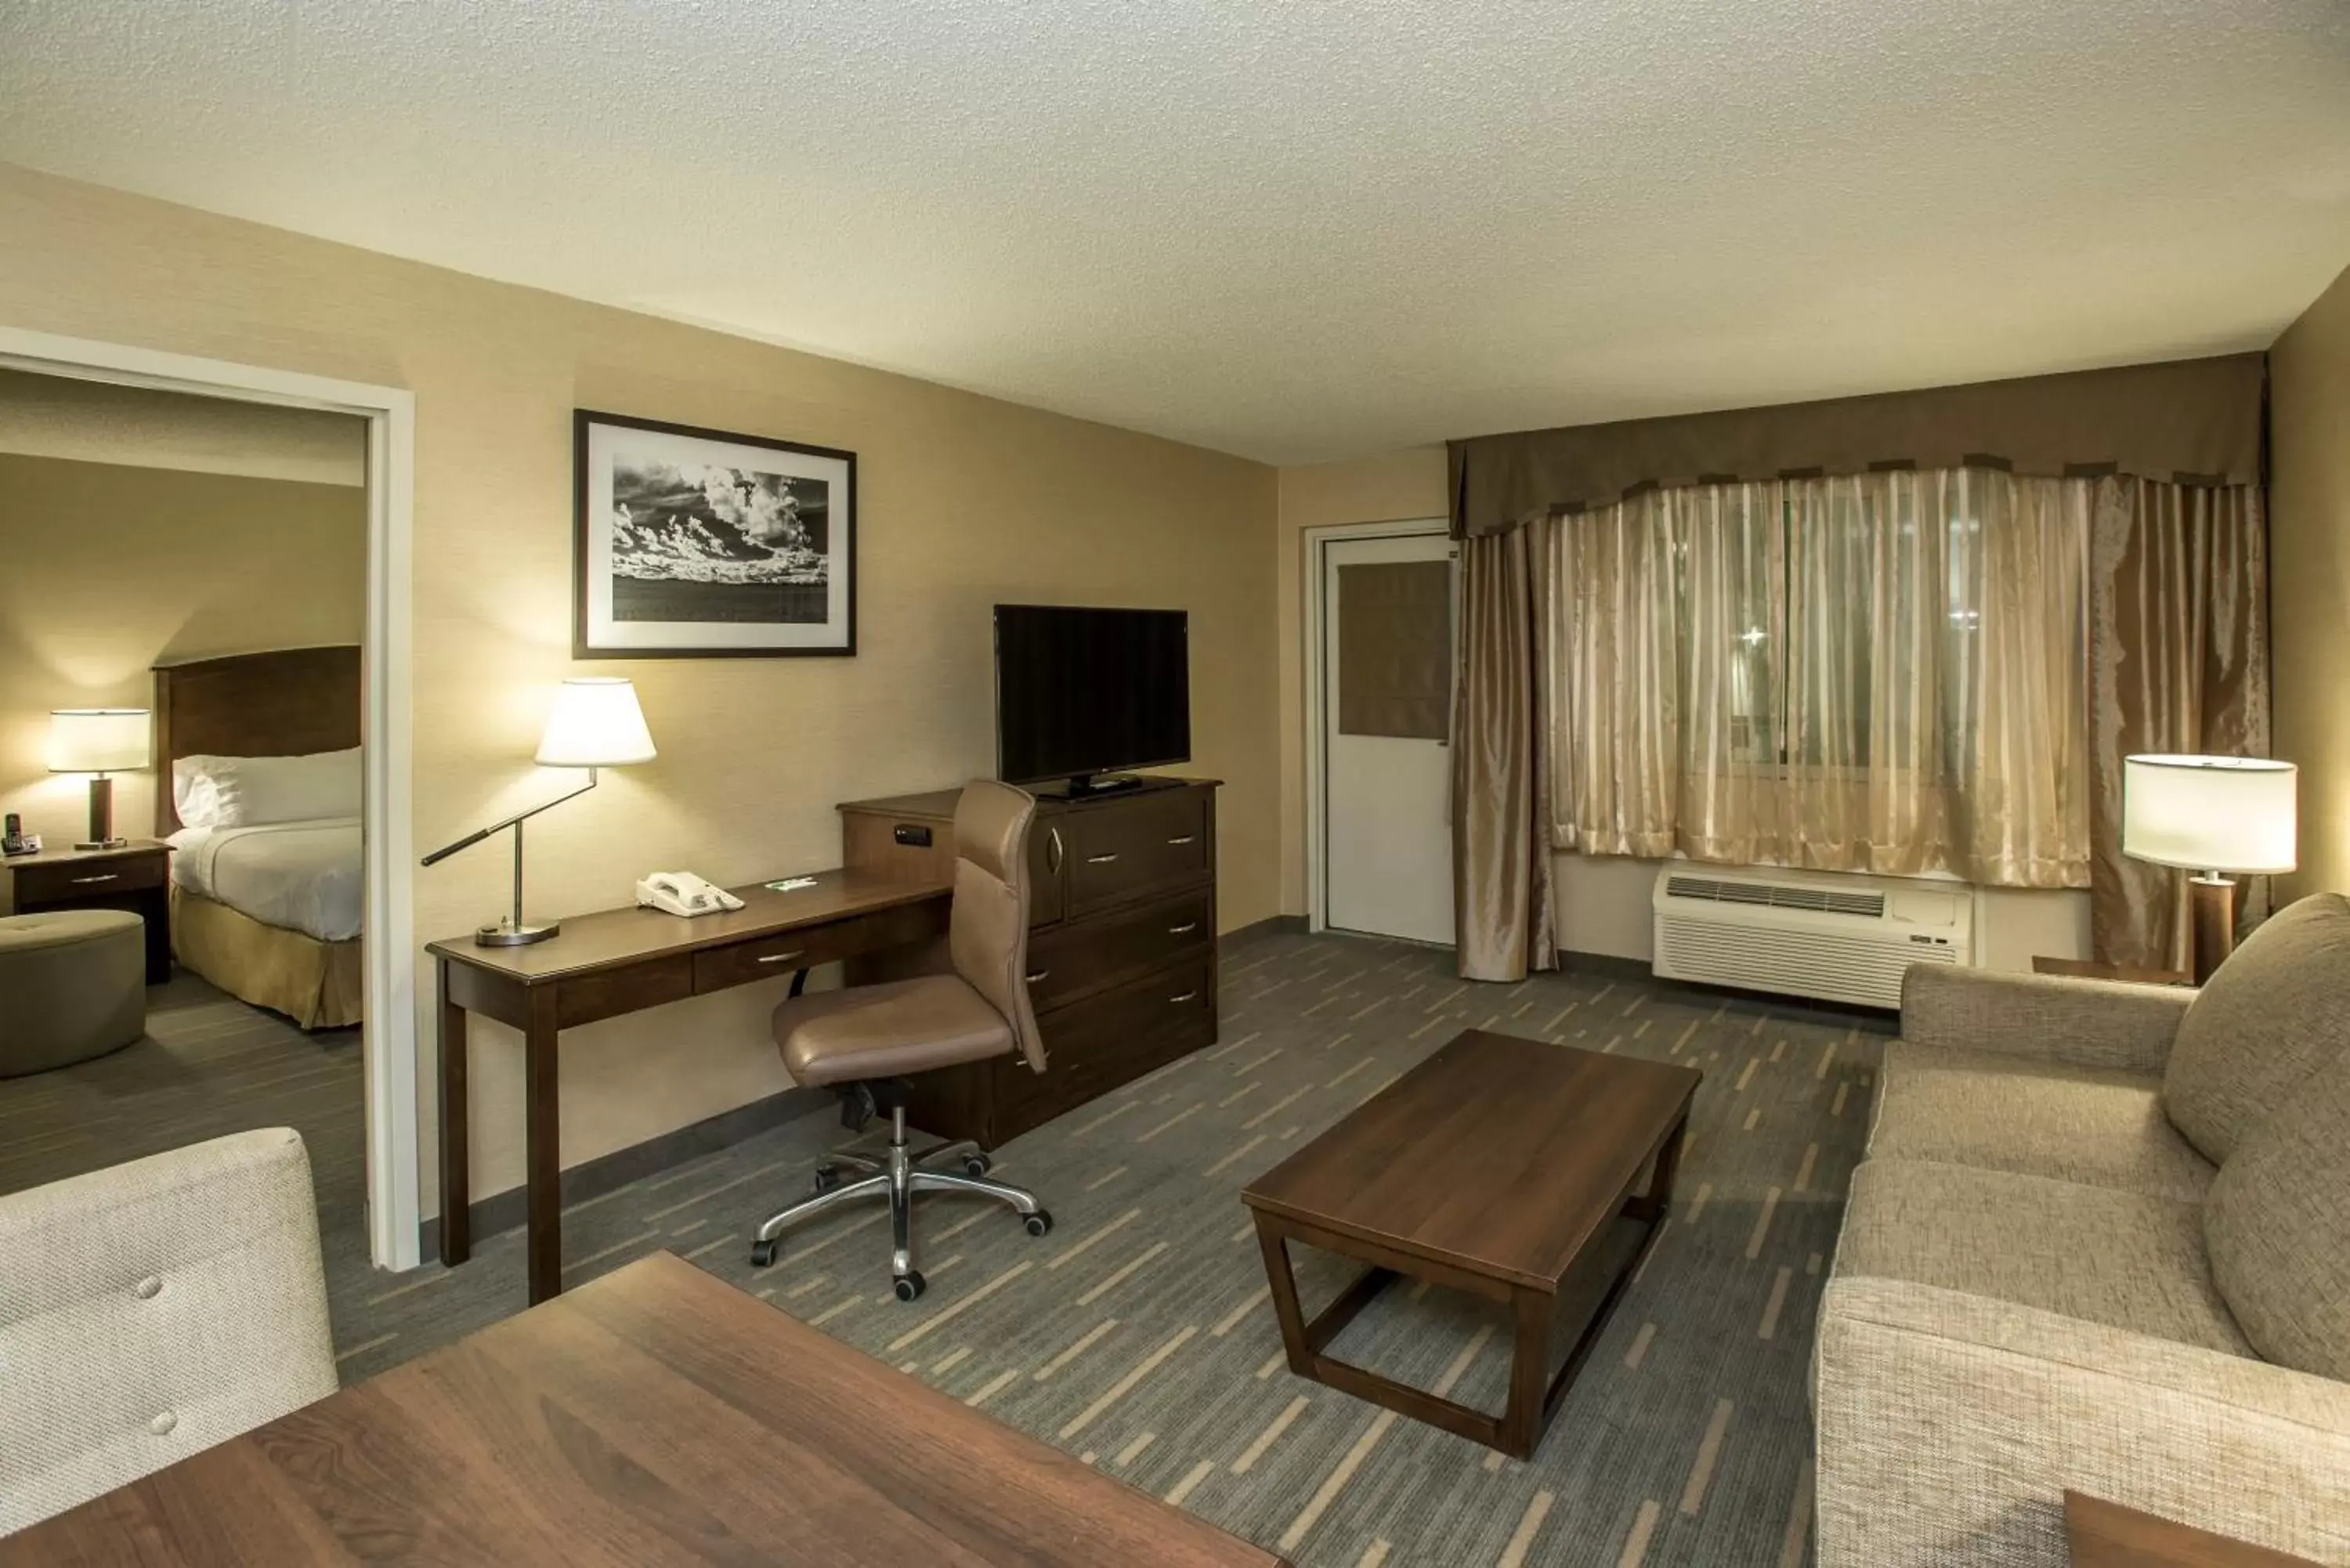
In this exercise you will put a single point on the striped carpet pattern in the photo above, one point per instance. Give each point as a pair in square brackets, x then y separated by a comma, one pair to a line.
[1138, 1337]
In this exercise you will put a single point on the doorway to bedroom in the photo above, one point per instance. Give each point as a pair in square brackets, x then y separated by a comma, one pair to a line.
[184, 591]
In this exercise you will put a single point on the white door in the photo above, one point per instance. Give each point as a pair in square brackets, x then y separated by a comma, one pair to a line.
[1387, 609]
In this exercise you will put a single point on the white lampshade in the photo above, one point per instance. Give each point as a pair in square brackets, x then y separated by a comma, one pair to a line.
[2210, 814]
[596, 724]
[98, 740]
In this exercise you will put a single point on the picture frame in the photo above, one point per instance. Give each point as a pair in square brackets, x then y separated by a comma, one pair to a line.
[699, 544]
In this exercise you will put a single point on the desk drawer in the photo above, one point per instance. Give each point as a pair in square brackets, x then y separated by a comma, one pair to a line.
[1076, 959]
[76, 880]
[764, 958]
[1125, 851]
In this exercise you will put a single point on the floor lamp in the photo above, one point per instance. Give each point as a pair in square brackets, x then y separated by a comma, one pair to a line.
[2220, 817]
[596, 724]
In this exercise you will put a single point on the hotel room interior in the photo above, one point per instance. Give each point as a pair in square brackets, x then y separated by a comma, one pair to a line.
[1480, 784]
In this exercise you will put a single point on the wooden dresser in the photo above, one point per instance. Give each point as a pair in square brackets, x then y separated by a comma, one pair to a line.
[1121, 944]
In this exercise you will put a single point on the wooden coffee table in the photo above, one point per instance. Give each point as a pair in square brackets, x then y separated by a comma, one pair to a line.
[2101, 1534]
[1497, 1167]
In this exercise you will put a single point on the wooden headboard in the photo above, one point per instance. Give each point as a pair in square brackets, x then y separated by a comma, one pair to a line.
[278, 704]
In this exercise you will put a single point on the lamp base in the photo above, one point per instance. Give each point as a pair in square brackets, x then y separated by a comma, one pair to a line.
[105, 844]
[2213, 909]
[506, 934]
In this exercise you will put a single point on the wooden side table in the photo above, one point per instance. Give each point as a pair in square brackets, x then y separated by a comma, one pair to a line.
[2090, 969]
[2101, 1534]
[136, 878]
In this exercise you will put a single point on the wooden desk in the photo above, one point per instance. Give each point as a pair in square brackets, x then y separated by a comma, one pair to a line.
[624, 961]
[653, 1417]
[2101, 1534]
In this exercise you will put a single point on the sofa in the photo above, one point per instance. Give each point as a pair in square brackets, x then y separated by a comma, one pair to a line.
[2100, 1241]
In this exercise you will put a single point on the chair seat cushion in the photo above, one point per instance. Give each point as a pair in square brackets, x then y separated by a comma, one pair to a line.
[1996, 1111]
[2125, 1260]
[883, 1031]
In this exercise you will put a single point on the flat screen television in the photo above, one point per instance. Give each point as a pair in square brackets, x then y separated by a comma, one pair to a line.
[1084, 692]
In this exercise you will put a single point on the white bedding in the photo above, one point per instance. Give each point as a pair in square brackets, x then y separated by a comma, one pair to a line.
[302, 875]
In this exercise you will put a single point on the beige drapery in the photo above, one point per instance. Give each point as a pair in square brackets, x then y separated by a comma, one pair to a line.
[1500, 764]
[2179, 660]
[1879, 672]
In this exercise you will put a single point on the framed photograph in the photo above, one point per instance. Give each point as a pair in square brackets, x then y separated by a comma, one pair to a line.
[695, 544]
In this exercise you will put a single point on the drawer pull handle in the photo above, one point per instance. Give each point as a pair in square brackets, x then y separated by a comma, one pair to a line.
[1191, 995]
[86, 881]
[782, 957]
[1185, 928]
[1183, 838]
[1052, 849]
[1034, 975]
[1101, 860]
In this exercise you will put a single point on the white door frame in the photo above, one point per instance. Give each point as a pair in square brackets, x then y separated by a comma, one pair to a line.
[1317, 742]
[394, 1198]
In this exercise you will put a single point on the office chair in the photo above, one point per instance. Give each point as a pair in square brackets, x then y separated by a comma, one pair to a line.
[861, 1040]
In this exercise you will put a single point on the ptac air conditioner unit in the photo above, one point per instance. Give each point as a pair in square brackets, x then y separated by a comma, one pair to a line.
[1801, 933]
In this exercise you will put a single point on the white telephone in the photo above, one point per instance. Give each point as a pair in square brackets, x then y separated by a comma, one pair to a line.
[683, 893]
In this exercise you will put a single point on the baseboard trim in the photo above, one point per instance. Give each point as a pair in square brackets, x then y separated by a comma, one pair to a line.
[610, 1172]
[1257, 930]
[1614, 965]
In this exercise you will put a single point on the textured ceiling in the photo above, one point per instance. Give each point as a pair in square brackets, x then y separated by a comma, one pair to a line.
[1293, 230]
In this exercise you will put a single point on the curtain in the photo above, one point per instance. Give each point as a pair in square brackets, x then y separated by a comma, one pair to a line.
[2179, 651]
[1880, 672]
[1501, 767]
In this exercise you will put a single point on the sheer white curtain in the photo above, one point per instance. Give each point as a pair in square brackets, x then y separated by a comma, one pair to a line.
[1882, 672]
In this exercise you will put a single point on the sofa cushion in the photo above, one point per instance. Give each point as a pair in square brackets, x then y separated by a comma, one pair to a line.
[2269, 1015]
[2278, 1228]
[2001, 1112]
[2125, 1260]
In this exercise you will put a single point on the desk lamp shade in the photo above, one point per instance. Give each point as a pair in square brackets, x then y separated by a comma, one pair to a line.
[2232, 815]
[596, 724]
[98, 742]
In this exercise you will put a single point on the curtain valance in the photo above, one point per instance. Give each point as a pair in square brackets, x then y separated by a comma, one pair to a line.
[2186, 421]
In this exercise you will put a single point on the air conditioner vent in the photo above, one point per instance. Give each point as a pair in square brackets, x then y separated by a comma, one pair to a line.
[1778, 895]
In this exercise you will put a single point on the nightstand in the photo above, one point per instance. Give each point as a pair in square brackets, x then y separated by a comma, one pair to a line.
[136, 878]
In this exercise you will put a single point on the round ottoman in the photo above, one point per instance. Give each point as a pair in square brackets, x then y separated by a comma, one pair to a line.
[75, 984]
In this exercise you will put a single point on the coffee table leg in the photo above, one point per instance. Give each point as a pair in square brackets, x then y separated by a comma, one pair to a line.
[1284, 1284]
[1653, 1205]
[1521, 1422]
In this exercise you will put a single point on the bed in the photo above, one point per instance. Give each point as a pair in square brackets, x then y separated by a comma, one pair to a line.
[268, 910]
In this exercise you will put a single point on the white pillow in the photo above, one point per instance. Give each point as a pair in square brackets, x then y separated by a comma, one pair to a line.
[251, 791]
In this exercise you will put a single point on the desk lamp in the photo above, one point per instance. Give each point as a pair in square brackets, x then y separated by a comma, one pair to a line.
[2217, 816]
[596, 724]
[98, 742]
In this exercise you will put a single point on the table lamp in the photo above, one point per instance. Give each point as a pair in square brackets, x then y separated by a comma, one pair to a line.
[596, 724]
[2217, 816]
[98, 742]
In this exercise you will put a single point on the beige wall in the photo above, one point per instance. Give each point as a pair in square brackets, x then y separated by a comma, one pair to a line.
[1604, 900]
[97, 422]
[106, 570]
[963, 501]
[2309, 577]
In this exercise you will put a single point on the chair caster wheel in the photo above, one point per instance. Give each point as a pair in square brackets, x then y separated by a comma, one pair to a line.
[909, 1285]
[763, 1254]
[976, 1164]
[1038, 1223]
[826, 1179]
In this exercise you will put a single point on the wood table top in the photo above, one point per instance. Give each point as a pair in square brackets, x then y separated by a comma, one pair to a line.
[654, 1416]
[612, 939]
[2101, 1534]
[1497, 1155]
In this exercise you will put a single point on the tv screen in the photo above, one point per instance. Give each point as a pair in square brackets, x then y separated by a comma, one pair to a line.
[1081, 691]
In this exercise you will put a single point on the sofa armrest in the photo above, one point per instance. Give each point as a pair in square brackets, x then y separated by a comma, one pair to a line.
[1950, 1425]
[2081, 1022]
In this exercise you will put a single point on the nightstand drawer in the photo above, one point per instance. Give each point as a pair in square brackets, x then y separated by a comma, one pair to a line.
[72, 881]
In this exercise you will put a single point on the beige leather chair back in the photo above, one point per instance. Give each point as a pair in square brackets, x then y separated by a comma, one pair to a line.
[989, 936]
[154, 1309]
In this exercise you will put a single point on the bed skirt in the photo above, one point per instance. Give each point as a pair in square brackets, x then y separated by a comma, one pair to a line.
[318, 985]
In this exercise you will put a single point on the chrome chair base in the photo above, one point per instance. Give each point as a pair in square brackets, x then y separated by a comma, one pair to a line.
[898, 1174]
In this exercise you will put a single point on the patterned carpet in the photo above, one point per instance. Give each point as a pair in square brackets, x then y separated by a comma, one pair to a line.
[1138, 1335]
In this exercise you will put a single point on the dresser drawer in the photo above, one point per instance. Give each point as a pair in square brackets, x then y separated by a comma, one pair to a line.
[740, 963]
[1125, 851]
[1076, 959]
[73, 881]
[1093, 1046]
